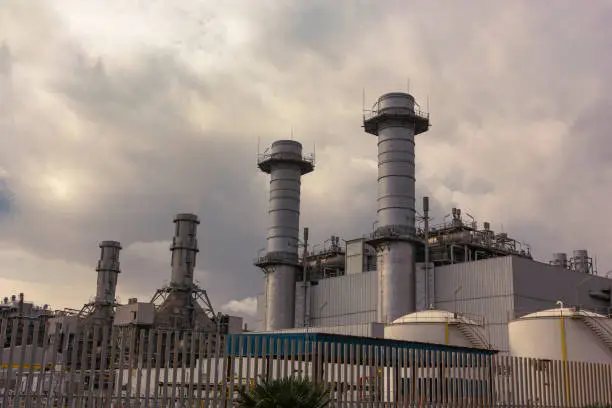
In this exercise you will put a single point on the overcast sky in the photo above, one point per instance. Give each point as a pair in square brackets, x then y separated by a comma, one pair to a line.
[116, 115]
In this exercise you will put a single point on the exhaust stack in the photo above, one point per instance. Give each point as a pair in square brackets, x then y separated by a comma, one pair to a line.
[286, 165]
[108, 272]
[184, 250]
[182, 305]
[395, 121]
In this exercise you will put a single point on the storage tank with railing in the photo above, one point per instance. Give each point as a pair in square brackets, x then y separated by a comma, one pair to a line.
[562, 334]
[440, 327]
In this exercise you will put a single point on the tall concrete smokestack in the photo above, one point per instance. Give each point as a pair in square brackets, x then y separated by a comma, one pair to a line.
[395, 121]
[184, 250]
[108, 272]
[286, 165]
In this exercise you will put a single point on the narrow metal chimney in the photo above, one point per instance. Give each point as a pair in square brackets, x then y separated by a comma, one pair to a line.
[184, 250]
[286, 165]
[581, 262]
[560, 259]
[108, 272]
[395, 121]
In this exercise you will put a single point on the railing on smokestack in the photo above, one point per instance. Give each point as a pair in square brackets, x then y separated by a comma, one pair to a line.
[266, 155]
[375, 111]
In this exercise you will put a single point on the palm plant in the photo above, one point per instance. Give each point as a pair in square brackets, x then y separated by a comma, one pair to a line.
[288, 392]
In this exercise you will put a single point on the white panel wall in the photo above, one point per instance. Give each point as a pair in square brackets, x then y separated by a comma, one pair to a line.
[135, 313]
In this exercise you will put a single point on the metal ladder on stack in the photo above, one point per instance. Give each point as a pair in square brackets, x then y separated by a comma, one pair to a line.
[477, 339]
[601, 330]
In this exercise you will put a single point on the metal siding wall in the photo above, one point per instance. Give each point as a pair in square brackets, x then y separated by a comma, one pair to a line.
[208, 370]
[354, 257]
[485, 291]
[539, 286]
[349, 299]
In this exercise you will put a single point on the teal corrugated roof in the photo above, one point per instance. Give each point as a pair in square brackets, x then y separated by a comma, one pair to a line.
[304, 345]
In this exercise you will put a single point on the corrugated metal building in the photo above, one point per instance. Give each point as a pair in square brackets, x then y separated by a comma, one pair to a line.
[497, 289]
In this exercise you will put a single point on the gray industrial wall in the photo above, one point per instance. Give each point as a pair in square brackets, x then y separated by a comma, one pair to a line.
[539, 286]
[498, 290]
[484, 289]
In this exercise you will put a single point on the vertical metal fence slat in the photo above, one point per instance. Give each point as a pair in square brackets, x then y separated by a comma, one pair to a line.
[105, 371]
[216, 373]
[193, 353]
[32, 360]
[65, 347]
[131, 362]
[231, 369]
[210, 353]
[243, 383]
[183, 365]
[176, 348]
[141, 347]
[9, 370]
[25, 331]
[150, 339]
[92, 367]
[159, 357]
[201, 361]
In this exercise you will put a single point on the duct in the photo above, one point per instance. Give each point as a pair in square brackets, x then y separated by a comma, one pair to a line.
[581, 261]
[396, 290]
[108, 271]
[184, 250]
[560, 259]
[286, 165]
[395, 122]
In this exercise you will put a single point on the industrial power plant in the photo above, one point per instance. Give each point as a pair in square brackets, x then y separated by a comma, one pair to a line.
[457, 283]
[181, 305]
[453, 313]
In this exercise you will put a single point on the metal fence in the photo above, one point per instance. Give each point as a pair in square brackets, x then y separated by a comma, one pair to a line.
[46, 365]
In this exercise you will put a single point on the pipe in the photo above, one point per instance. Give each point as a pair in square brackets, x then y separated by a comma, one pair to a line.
[446, 333]
[426, 227]
[305, 280]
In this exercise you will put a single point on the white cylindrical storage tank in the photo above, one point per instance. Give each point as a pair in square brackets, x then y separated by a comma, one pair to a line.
[438, 327]
[563, 333]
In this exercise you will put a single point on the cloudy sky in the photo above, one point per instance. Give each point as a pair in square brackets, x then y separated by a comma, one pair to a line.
[116, 115]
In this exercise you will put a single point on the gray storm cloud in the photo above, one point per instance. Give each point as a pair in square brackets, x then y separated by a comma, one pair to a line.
[100, 143]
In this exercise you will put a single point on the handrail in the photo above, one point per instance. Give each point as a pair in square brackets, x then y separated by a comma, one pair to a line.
[599, 324]
[370, 113]
[310, 158]
[483, 340]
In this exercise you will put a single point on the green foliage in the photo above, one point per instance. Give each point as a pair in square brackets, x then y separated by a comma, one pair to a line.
[289, 392]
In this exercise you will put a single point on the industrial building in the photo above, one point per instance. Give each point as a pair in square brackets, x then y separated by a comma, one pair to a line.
[458, 283]
[180, 306]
